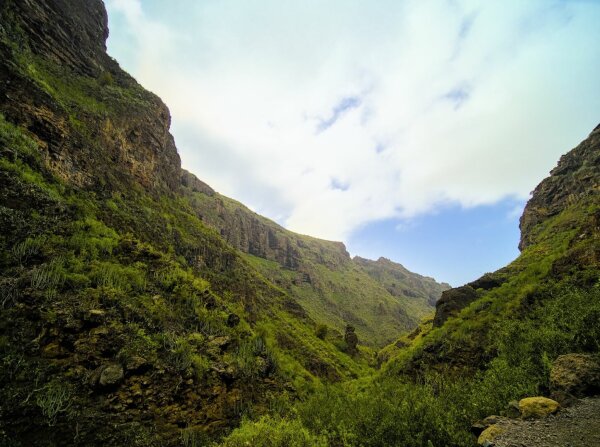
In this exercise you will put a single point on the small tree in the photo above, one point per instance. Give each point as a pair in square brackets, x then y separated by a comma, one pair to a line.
[321, 331]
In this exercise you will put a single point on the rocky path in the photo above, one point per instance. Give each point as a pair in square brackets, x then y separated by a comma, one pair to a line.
[575, 426]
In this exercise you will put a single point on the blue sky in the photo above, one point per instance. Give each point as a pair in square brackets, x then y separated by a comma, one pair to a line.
[408, 129]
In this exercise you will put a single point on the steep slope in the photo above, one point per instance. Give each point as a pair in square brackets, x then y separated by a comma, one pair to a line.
[333, 288]
[491, 342]
[100, 130]
[132, 294]
[540, 290]
[401, 283]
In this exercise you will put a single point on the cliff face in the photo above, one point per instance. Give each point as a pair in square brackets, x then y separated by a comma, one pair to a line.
[133, 295]
[575, 184]
[101, 131]
[400, 282]
[69, 33]
[98, 127]
[575, 179]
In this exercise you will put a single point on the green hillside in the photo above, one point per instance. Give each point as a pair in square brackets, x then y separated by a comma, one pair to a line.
[140, 307]
[132, 294]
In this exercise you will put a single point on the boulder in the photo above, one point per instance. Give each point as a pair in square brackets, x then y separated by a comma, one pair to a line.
[135, 364]
[111, 375]
[575, 375]
[53, 351]
[537, 407]
[487, 436]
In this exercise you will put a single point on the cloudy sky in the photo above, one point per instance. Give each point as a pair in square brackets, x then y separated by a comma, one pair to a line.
[409, 129]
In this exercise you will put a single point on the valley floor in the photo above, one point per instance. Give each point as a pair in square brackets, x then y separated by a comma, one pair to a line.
[576, 426]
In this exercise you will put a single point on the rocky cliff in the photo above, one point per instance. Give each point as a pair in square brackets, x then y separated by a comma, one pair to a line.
[99, 129]
[573, 185]
[132, 294]
[560, 252]
[575, 180]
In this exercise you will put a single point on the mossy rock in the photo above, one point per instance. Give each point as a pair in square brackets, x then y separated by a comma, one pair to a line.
[537, 407]
[488, 435]
[575, 374]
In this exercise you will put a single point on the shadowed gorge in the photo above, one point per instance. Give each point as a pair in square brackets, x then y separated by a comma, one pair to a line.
[141, 307]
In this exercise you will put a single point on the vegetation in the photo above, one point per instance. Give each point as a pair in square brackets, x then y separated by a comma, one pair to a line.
[139, 312]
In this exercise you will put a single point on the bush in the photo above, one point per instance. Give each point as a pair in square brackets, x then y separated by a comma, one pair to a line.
[54, 399]
[321, 331]
[273, 432]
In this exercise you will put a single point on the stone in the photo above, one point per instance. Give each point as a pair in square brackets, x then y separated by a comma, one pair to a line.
[135, 363]
[537, 407]
[111, 375]
[52, 351]
[220, 342]
[487, 436]
[576, 375]
[480, 426]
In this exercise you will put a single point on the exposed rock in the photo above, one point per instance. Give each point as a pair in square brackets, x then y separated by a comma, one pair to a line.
[220, 342]
[512, 409]
[189, 180]
[452, 302]
[137, 148]
[95, 317]
[53, 350]
[136, 364]
[575, 374]
[576, 176]
[537, 407]
[478, 427]
[486, 438]
[107, 376]
[488, 281]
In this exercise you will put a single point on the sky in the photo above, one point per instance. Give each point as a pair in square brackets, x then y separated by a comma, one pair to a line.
[413, 129]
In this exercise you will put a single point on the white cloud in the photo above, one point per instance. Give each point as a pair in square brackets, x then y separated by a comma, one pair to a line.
[463, 102]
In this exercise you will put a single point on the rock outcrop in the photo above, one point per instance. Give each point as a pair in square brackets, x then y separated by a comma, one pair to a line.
[575, 181]
[576, 176]
[91, 139]
[575, 375]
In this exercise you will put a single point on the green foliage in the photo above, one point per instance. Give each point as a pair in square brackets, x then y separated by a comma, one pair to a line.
[273, 432]
[321, 331]
[48, 275]
[53, 399]
[16, 145]
[29, 248]
[106, 78]
[116, 276]
[255, 358]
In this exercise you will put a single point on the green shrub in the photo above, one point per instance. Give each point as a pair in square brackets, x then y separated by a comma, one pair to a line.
[27, 249]
[321, 331]
[49, 275]
[53, 399]
[273, 432]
